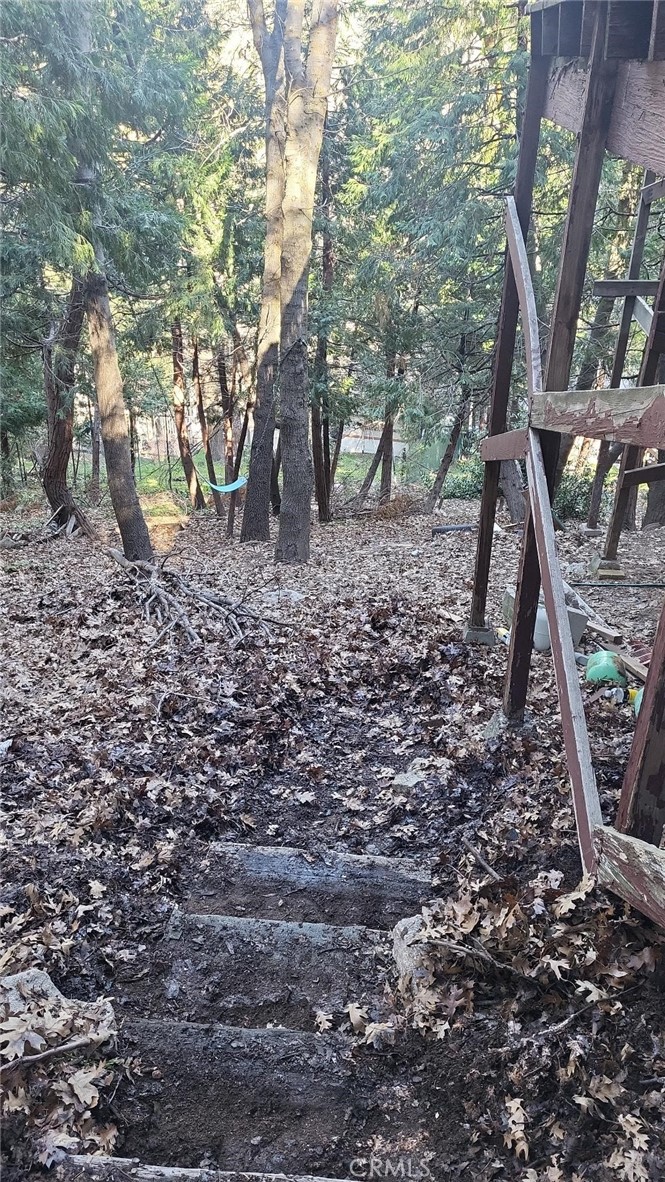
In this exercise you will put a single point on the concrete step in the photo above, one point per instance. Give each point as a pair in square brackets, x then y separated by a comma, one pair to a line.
[279, 882]
[273, 1100]
[249, 972]
[122, 1169]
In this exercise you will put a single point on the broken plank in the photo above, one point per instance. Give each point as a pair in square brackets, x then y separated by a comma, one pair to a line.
[634, 415]
[609, 634]
[646, 475]
[632, 869]
[637, 668]
[510, 445]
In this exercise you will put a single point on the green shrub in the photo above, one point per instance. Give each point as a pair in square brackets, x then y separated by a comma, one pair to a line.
[464, 481]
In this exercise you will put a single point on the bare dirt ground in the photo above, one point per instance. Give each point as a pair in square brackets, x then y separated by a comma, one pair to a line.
[357, 723]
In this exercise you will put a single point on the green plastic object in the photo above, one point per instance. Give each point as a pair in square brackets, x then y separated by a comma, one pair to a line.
[606, 668]
[638, 701]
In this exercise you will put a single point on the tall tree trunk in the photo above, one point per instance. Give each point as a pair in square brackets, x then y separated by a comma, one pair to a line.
[387, 459]
[108, 384]
[309, 86]
[179, 405]
[434, 494]
[270, 47]
[94, 491]
[367, 483]
[230, 521]
[203, 424]
[227, 415]
[655, 510]
[608, 454]
[510, 484]
[594, 354]
[132, 439]
[320, 392]
[320, 482]
[275, 494]
[336, 453]
[5, 462]
[59, 355]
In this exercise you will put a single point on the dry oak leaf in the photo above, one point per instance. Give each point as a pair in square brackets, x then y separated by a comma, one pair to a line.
[357, 1016]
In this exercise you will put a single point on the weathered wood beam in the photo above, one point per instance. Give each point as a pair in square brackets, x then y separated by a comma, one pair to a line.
[647, 475]
[633, 870]
[638, 115]
[511, 445]
[506, 334]
[643, 314]
[586, 802]
[587, 169]
[653, 191]
[628, 29]
[634, 415]
[642, 803]
[617, 289]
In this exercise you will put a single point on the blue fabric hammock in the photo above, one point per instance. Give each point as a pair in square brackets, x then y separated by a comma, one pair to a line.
[226, 488]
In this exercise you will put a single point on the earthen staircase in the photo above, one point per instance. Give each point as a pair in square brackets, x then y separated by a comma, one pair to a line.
[236, 1079]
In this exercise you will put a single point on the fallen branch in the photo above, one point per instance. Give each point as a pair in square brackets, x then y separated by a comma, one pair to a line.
[29, 1060]
[163, 594]
[480, 860]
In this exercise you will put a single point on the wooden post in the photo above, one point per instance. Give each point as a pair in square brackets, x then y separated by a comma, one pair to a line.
[505, 343]
[567, 301]
[631, 456]
[642, 804]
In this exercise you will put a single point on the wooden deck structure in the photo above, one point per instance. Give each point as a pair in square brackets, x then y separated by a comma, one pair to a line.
[598, 69]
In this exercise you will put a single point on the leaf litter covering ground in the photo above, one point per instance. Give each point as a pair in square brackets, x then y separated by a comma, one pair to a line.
[358, 725]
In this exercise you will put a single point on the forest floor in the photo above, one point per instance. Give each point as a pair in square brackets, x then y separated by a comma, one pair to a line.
[357, 723]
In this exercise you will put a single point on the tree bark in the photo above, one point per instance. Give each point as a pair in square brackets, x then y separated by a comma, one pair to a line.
[227, 415]
[367, 483]
[189, 468]
[434, 494]
[608, 454]
[599, 335]
[59, 355]
[275, 494]
[336, 453]
[108, 384]
[6, 463]
[94, 486]
[655, 510]
[203, 424]
[320, 392]
[510, 484]
[270, 47]
[308, 88]
[387, 460]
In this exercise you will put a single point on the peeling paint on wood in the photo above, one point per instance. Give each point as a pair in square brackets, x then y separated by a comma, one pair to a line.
[635, 415]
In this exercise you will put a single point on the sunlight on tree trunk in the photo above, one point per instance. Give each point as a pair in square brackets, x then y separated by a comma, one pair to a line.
[59, 355]
[203, 424]
[115, 436]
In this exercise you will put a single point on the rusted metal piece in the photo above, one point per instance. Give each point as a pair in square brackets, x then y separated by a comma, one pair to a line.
[632, 869]
[642, 805]
[510, 445]
[635, 415]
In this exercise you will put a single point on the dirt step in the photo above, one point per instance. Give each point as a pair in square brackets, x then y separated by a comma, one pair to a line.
[279, 882]
[122, 1169]
[248, 972]
[275, 1101]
